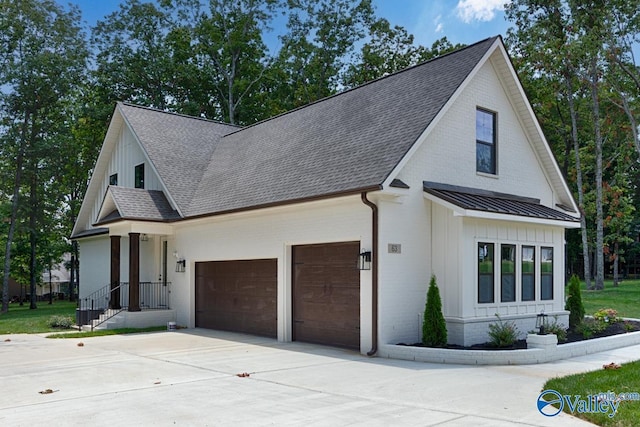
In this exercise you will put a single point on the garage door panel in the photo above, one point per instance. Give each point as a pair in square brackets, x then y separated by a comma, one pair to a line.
[327, 294]
[239, 296]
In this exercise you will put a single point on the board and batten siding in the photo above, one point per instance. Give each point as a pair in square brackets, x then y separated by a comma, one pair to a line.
[126, 155]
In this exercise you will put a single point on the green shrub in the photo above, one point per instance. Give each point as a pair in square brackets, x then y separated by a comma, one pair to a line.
[502, 334]
[574, 303]
[607, 315]
[589, 327]
[62, 322]
[558, 329]
[434, 328]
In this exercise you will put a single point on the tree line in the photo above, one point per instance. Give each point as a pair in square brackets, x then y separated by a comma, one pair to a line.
[60, 80]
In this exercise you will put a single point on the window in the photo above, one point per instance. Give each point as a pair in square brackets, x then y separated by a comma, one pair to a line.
[485, 272]
[113, 179]
[508, 273]
[139, 176]
[485, 141]
[528, 273]
[546, 273]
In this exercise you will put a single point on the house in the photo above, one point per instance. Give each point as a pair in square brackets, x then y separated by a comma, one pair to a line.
[324, 224]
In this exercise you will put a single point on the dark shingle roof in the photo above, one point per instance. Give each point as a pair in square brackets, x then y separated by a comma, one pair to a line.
[139, 204]
[179, 146]
[345, 143]
[489, 201]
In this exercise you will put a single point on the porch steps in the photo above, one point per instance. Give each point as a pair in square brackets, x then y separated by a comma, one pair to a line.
[139, 319]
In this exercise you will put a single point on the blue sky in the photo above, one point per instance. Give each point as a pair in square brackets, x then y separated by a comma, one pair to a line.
[461, 21]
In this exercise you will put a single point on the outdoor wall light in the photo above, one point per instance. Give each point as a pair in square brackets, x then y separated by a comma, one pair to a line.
[180, 265]
[541, 323]
[364, 261]
[144, 237]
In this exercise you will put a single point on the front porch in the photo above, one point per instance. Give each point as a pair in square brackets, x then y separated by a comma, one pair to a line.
[110, 301]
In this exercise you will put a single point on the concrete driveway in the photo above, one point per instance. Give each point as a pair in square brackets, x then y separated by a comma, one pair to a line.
[190, 378]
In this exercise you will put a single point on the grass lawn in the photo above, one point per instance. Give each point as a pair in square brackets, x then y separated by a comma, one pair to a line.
[22, 320]
[625, 298]
[104, 332]
[623, 380]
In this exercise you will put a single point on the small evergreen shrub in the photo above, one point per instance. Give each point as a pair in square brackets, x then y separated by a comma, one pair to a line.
[62, 322]
[574, 303]
[434, 328]
[503, 334]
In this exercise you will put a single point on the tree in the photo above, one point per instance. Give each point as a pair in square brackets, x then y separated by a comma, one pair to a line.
[233, 56]
[546, 51]
[388, 50]
[574, 303]
[44, 54]
[434, 327]
[316, 49]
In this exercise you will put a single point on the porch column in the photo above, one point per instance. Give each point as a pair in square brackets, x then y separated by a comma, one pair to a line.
[114, 301]
[134, 271]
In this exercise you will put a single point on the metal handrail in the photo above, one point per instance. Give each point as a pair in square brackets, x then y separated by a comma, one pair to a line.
[106, 302]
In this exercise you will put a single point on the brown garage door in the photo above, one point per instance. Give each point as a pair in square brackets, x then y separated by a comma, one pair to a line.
[238, 296]
[326, 294]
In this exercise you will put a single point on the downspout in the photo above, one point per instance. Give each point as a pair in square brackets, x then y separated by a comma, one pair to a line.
[374, 274]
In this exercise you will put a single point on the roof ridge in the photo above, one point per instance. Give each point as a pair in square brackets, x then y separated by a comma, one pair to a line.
[173, 113]
[362, 85]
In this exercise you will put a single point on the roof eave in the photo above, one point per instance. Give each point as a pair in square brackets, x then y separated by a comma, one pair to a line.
[353, 192]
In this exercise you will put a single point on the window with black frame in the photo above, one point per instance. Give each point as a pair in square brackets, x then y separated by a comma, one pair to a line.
[546, 273]
[528, 267]
[507, 273]
[139, 176]
[485, 272]
[485, 141]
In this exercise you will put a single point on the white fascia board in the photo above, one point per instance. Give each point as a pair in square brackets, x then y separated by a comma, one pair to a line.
[540, 133]
[99, 168]
[518, 218]
[423, 137]
[123, 228]
[470, 213]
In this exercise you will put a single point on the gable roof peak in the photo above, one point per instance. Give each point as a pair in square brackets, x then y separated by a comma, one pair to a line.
[369, 83]
[173, 113]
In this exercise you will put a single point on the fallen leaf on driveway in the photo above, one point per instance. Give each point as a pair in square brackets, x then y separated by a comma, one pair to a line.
[158, 382]
[7, 340]
[243, 375]
[611, 366]
[47, 391]
[80, 344]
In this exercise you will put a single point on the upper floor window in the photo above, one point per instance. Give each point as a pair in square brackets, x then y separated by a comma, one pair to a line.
[139, 176]
[113, 179]
[485, 141]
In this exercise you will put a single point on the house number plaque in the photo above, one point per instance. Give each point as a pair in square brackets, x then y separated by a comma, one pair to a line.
[395, 248]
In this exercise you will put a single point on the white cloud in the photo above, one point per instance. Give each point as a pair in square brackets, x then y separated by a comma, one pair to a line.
[478, 10]
[438, 23]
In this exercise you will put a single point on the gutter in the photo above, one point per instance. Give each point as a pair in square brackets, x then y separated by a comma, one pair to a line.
[374, 273]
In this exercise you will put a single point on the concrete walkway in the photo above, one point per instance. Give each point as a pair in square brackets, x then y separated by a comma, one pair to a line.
[189, 378]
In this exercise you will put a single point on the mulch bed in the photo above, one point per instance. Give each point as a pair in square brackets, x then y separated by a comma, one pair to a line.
[572, 336]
